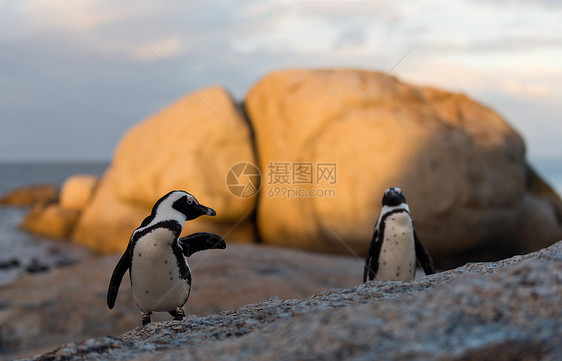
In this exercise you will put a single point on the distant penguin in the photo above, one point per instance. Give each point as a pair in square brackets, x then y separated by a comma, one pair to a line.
[395, 245]
[157, 259]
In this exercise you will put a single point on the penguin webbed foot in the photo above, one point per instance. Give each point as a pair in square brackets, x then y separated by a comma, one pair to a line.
[177, 314]
[427, 268]
[146, 318]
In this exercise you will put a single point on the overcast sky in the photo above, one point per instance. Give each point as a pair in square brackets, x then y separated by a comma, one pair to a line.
[75, 75]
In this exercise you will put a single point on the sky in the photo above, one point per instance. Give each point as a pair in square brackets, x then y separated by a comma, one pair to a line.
[75, 75]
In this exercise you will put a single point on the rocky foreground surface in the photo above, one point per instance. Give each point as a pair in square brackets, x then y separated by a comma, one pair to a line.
[40, 311]
[506, 310]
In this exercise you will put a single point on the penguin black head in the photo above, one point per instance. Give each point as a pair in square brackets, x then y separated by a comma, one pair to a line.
[392, 197]
[191, 208]
[182, 202]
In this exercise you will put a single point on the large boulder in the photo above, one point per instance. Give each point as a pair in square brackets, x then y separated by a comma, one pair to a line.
[190, 145]
[330, 142]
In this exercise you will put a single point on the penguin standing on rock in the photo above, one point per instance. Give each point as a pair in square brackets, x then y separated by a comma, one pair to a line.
[157, 259]
[395, 245]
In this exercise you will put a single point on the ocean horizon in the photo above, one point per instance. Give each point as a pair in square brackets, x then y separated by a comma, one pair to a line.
[25, 173]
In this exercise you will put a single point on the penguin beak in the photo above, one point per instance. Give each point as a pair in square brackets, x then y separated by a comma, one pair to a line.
[196, 211]
[206, 210]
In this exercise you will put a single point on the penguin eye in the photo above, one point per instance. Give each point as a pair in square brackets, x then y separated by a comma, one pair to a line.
[191, 201]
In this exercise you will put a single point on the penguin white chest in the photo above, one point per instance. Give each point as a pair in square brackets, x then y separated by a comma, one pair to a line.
[155, 273]
[397, 259]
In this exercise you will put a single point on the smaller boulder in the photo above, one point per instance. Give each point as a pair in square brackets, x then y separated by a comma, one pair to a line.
[77, 191]
[51, 220]
[30, 195]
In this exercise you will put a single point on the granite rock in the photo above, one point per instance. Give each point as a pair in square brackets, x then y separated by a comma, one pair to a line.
[52, 213]
[505, 310]
[51, 220]
[461, 166]
[30, 195]
[77, 191]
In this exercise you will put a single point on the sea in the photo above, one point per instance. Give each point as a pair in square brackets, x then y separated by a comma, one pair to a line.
[550, 170]
[22, 252]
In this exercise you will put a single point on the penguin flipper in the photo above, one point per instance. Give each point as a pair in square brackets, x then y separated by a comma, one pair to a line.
[201, 241]
[122, 266]
[371, 262]
[423, 256]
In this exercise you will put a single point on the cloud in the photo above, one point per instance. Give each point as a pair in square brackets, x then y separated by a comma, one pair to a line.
[545, 4]
[353, 37]
[93, 61]
[116, 30]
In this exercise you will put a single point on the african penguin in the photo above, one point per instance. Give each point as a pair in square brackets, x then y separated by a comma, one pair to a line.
[395, 245]
[157, 259]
